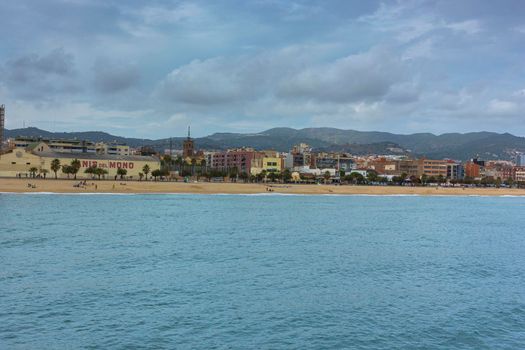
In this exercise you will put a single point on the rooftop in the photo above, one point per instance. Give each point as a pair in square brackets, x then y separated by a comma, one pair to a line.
[96, 156]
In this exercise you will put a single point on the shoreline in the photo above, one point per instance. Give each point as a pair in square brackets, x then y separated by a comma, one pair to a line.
[62, 186]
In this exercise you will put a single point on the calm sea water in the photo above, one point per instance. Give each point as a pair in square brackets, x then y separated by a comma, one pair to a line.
[264, 272]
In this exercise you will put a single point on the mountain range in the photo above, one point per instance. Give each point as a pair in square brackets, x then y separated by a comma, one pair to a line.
[485, 145]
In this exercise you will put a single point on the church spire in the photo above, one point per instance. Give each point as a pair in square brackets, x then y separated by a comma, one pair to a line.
[188, 132]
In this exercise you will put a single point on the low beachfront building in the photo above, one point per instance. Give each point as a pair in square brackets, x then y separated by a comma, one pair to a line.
[22, 162]
[270, 162]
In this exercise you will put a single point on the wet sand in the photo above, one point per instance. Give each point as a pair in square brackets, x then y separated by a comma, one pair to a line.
[94, 186]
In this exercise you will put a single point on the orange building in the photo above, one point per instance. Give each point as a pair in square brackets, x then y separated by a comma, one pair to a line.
[472, 169]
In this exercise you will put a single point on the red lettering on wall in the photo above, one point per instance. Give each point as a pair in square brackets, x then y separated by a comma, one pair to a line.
[111, 164]
[131, 165]
[85, 164]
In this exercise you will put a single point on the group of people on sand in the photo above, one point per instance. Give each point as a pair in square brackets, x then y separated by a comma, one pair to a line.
[31, 185]
[84, 184]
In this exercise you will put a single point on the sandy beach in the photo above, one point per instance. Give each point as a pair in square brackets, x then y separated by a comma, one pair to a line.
[67, 186]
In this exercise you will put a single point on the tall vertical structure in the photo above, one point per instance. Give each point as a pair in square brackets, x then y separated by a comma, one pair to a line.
[520, 160]
[2, 121]
[188, 146]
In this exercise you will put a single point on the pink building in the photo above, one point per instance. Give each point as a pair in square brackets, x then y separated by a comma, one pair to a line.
[241, 159]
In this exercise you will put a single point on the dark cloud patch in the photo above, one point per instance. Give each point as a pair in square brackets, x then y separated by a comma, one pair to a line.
[56, 62]
[34, 76]
[111, 77]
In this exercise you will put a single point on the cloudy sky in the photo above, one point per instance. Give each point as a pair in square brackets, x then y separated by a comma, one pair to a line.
[150, 68]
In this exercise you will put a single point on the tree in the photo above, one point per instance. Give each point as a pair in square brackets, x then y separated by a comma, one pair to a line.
[178, 163]
[440, 179]
[156, 173]
[273, 176]
[100, 172]
[55, 166]
[424, 179]
[326, 176]
[233, 173]
[141, 175]
[91, 171]
[75, 167]
[146, 170]
[355, 178]
[287, 175]
[33, 170]
[121, 172]
[44, 172]
[244, 176]
[67, 169]
[167, 160]
[263, 175]
[193, 163]
[488, 181]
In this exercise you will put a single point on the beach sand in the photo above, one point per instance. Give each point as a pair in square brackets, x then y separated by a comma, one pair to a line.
[94, 186]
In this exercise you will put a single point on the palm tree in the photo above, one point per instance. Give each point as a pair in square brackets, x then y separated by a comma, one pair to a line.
[55, 166]
[75, 167]
[33, 171]
[178, 162]
[121, 172]
[146, 170]
[44, 172]
[141, 175]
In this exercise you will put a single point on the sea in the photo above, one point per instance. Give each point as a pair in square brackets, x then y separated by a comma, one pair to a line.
[179, 271]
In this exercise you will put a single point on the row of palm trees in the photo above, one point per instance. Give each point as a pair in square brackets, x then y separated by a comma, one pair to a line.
[75, 165]
[168, 163]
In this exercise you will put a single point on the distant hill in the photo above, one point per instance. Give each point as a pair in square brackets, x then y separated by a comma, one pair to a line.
[487, 145]
[95, 136]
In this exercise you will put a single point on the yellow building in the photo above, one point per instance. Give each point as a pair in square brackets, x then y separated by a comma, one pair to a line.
[268, 164]
[18, 162]
[272, 164]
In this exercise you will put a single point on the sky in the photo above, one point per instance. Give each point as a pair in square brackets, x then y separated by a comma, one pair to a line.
[149, 69]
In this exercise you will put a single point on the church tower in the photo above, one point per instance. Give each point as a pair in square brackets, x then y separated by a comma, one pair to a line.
[188, 146]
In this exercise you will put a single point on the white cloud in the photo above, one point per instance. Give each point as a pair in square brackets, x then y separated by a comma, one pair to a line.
[498, 106]
[469, 26]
